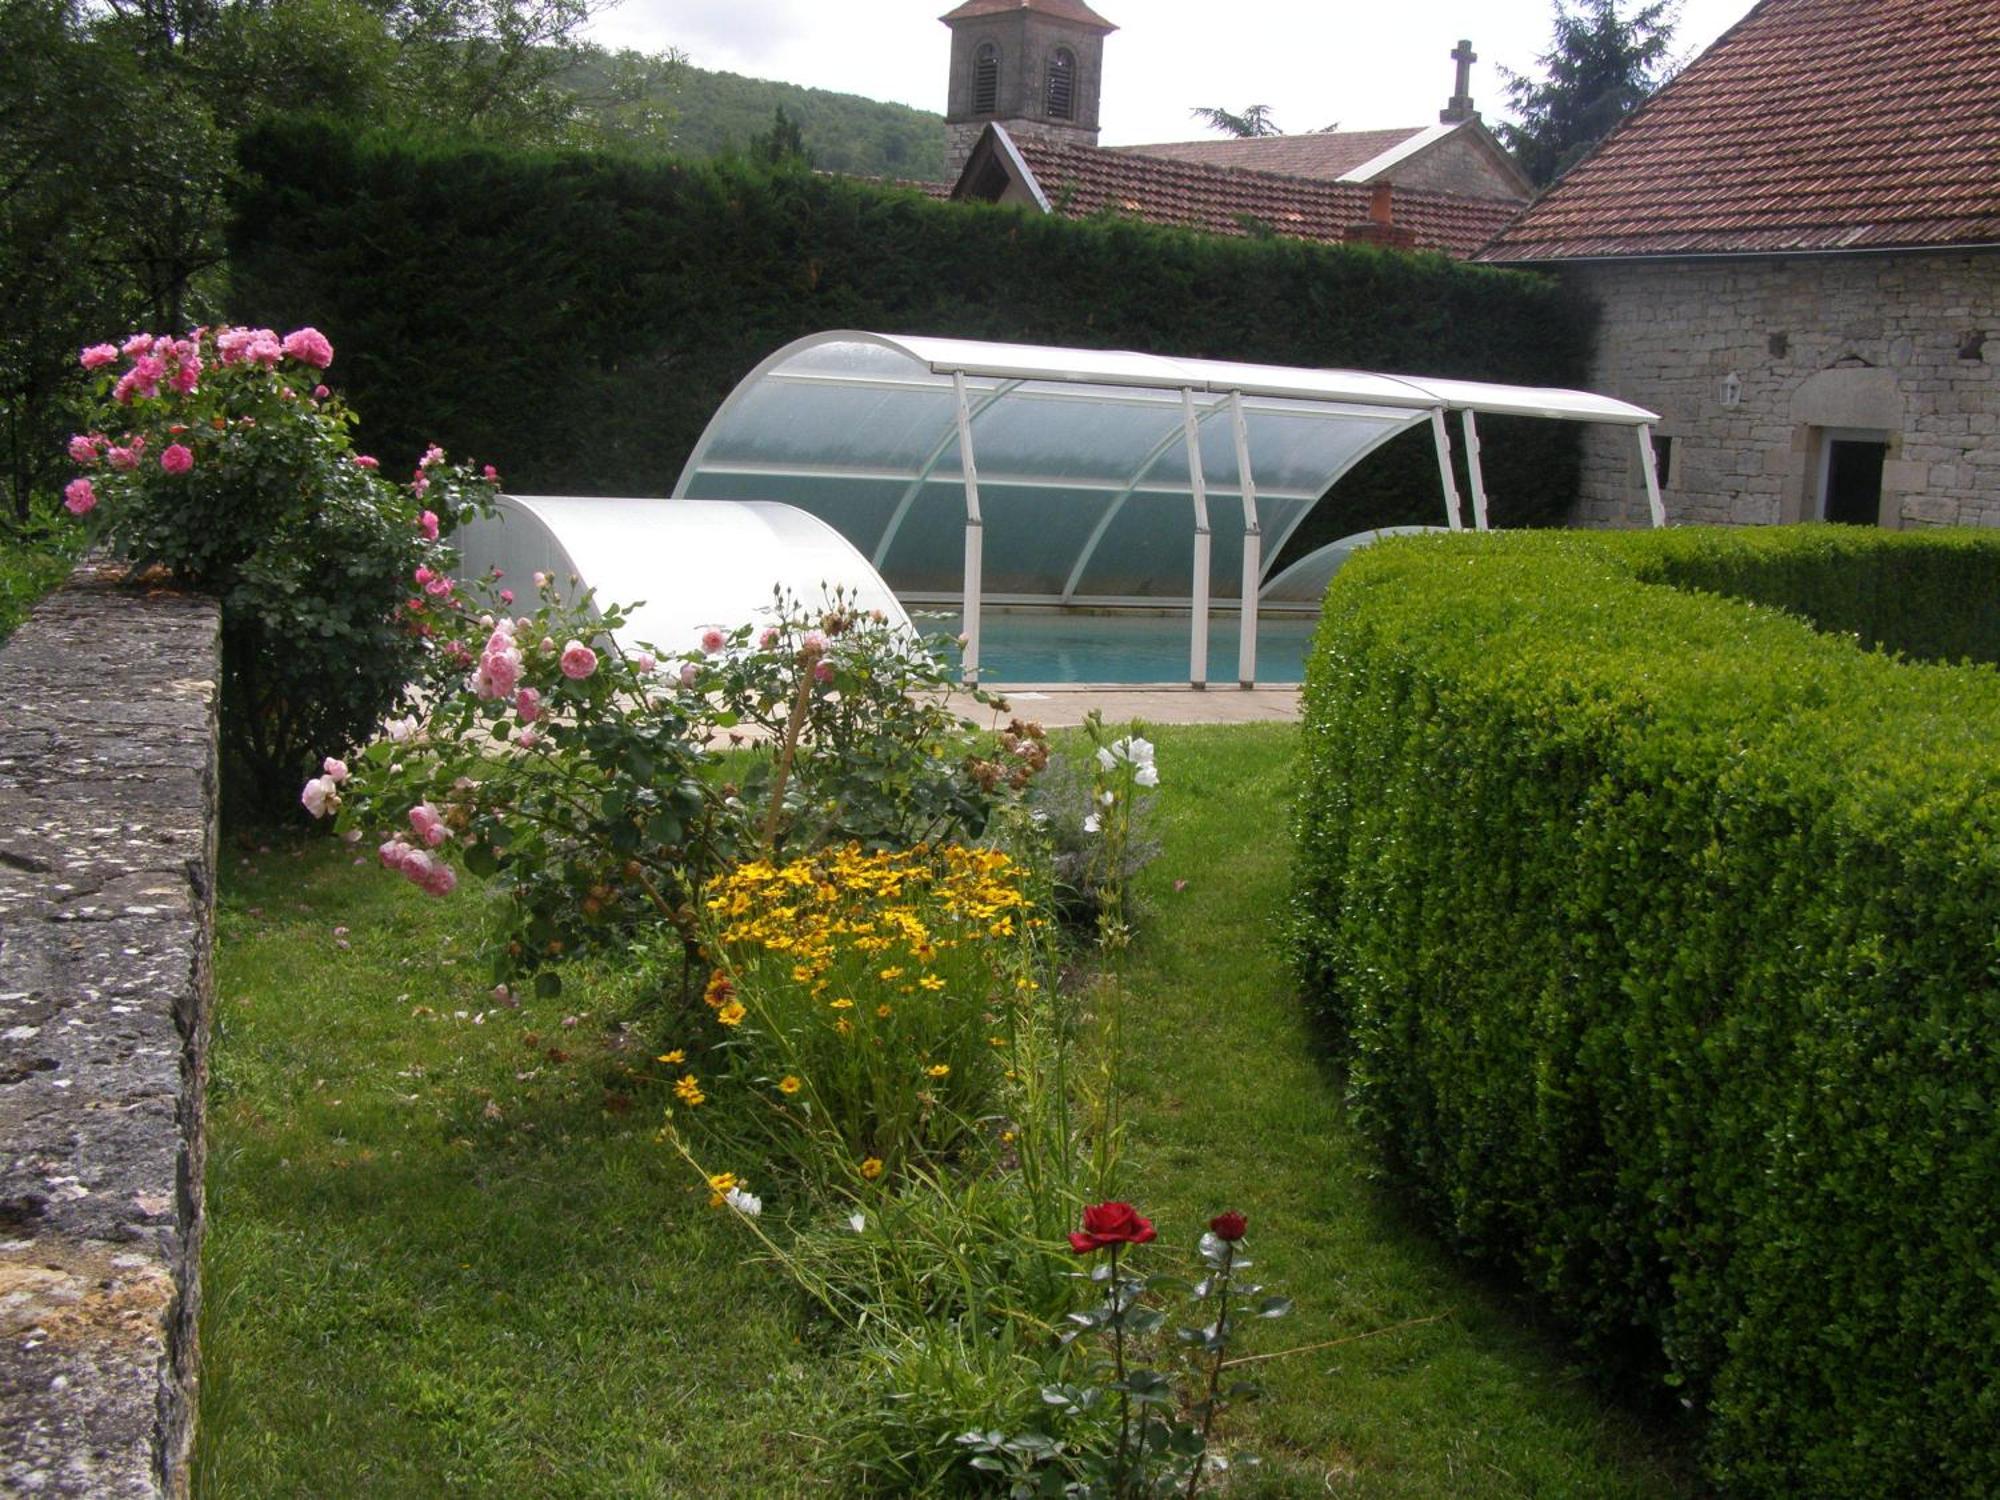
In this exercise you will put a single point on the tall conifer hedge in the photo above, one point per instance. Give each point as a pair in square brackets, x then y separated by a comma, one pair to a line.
[578, 318]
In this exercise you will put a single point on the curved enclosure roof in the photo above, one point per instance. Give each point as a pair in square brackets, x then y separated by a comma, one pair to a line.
[1303, 584]
[1080, 456]
[693, 563]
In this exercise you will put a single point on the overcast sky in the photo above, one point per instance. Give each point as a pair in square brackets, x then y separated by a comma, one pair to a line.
[1361, 64]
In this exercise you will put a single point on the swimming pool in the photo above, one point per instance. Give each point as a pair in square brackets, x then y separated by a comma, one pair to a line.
[1078, 646]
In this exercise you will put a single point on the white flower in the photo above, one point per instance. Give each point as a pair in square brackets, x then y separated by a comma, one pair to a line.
[857, 1222]
[320, 796]
[400, 730]
[1107, 797]
[745, 1203]
[1105, 758]
[1147, 776]
[1090, 824]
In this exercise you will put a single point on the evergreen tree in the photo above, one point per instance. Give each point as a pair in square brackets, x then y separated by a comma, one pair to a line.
[782, 145]
[1600, 67]
[1254, 121]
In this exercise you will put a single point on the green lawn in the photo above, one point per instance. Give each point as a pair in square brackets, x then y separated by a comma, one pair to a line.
[443, 1261]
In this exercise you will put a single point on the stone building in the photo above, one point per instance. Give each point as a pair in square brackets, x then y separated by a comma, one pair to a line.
[1025, 89]
[1796, 248]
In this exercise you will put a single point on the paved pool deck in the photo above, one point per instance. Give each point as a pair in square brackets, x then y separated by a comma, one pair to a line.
[1063, 705]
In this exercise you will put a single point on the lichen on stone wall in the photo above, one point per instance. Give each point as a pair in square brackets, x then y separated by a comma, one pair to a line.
[107, 853]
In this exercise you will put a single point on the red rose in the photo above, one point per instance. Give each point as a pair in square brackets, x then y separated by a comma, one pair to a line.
[1106, 1224]
[1229, 1226]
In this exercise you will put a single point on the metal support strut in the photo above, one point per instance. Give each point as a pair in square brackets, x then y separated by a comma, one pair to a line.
[1253, 539]
[1198, 485]
[1654, 505]
[1441, 435]
[975, 529]
[1474, 471]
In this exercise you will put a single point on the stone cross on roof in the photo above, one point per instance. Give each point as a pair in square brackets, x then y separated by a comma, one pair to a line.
[1460, 107]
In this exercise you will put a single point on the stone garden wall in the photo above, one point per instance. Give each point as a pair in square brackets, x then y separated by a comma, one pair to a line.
[107, 859]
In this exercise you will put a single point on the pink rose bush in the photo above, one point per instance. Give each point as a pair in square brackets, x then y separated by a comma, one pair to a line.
[204, 457]
[590, 784]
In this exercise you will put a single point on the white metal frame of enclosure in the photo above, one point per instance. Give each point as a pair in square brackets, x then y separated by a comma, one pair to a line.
[1393, 401]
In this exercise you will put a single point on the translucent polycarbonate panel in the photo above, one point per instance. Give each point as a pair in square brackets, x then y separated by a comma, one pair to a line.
[1305, 582]
[859, 509]
[788, 423]
[1033, 536]
[927, 554]
[1093, 435]
[680, 565]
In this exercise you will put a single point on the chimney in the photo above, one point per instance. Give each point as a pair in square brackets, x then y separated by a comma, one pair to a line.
[1460, 107]
[1380, 227]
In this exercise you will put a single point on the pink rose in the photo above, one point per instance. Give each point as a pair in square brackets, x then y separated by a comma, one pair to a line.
[528, 704]
[335, 769]
[814, 644]
[365, 461]
[439, 585]
[578, 661]
[768, 638]
[142, 380]
[136, 345]
[83, 450]
[421, 483]
[79, 498]
[177, 459]
[97, 356]
[320, 393]
[429, 826]
[541, 580]
[490, 474]
[126, 459]
[186, 376]
[264, 349]
[308, 346]
[433, 456]
[822, 671]
[423, 574]
[506, 596]
[713, 640]
[427, 523]
[528, 739]
[690, 674]
[646, 663]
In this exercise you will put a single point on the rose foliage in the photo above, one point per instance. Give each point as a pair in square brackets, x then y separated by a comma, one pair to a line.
[222, 461]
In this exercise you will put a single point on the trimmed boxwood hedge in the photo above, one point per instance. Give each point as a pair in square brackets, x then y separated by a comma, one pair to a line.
[1660, 935]
[576, 319]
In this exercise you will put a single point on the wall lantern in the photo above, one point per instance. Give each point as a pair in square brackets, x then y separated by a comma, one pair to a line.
[1732, 390]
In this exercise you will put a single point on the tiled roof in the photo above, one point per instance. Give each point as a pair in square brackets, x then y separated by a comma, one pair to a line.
[1083, 180]
[1812, 125]
[1327, 153]
[1062, 10]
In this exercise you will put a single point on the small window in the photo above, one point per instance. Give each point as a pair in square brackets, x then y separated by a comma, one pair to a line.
[1062, 84]
[1850, 476]
[986, 79]
[1663, 459]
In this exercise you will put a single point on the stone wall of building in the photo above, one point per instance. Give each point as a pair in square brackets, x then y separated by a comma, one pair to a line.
[107, 860]
[1456, 165]
[1901, 347]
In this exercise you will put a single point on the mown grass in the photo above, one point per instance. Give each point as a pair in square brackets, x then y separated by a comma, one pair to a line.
[31, 563]
[442, 1261]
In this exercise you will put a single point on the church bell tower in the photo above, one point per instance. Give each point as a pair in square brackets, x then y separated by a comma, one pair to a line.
[1033, 66]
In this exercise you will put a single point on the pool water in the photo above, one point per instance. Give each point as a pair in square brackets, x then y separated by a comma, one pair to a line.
[1075, 646]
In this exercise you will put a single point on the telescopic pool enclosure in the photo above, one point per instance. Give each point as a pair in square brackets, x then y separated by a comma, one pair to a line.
[1023, 475]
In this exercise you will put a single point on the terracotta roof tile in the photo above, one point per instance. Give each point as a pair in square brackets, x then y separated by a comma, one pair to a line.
[1811, 125]
[1081, 180]
[1062, 10]
[1327, 153]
